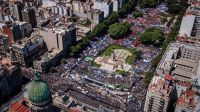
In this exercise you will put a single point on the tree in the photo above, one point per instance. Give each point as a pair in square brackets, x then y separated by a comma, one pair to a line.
[175, 9]
[112, 18]
[118, 30]
[137, 14]
[155, 61]
[176, 6]
[128, 7]
[148, 3]
[152, 36]
[148, 77]
[99, 29]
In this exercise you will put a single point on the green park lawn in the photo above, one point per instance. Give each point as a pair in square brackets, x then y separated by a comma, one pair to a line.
[130, 59]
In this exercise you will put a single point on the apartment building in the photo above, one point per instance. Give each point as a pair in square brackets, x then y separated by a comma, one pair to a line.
[26, 50]
[159, 95]
[82, 31]
[79, 9]
[96, 16]
[16, 30]
[61, 10]
[59, 36]
[15, 10]
[104, 5]
[25, 28]
[48, 60]
[12, 30]
[117, 4]
[29, 16]
[10, 77]
[181, 60]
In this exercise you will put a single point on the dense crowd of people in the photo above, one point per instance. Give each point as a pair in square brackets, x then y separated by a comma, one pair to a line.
[71, 74]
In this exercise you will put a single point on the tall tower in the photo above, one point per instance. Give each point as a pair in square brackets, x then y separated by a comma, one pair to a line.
[39, 95]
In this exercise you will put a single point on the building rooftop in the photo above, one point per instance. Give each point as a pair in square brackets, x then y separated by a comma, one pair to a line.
[97, 11]
[188, 99]
[189, 63]
[29, 42]
[160, 85]
[171, 54]
[58, 22]
[18, 107]
[49, 55]
[187, 24]
[82, 29]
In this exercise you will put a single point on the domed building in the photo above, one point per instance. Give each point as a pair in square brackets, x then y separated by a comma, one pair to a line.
[39, 95]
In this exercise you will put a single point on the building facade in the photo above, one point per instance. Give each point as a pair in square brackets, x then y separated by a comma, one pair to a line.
[59, 38]
[29, 16]
[15, 10]
[96, 16]
[27, 49]
[104, 5]
[10, 77]
[13, 31]
[181, 60]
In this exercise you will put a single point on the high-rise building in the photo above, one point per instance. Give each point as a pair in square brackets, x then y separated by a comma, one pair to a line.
[104, 5]
[29, 16]
[10, 77]
[49, 59]
[13, 31]
[39, 95]
[25, 29]
[27, 49]
[96, 16]
[15, 10]
[159, 95]
[17, 30]
[61, 10]
[60, 38]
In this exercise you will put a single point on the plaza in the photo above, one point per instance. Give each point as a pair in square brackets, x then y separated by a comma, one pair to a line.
[116, 61]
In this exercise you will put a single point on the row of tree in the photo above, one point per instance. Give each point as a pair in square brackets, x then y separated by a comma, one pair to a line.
[102, 28]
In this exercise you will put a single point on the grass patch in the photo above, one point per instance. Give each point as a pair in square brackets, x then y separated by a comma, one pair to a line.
[121, 72]
[130, 59]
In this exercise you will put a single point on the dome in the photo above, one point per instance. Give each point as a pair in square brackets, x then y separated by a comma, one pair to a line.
[39, 91]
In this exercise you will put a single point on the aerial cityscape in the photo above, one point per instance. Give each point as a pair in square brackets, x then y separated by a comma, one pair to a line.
[99, 56]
